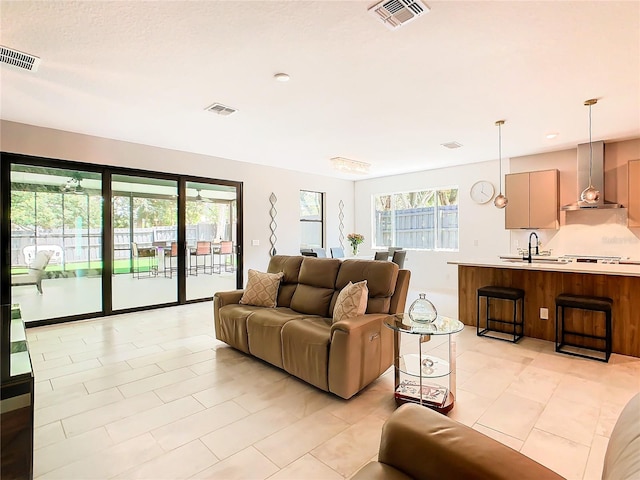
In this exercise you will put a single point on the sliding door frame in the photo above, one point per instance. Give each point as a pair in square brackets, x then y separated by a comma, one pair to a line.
[106, 172]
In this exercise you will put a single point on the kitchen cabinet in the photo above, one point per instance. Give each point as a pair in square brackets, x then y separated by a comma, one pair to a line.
[533, 199]
[634, 193]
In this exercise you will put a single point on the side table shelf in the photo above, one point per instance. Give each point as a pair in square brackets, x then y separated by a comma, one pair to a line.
[424, 374]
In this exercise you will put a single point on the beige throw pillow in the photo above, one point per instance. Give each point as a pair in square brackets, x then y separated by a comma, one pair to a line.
[351, 301]
[262, 289]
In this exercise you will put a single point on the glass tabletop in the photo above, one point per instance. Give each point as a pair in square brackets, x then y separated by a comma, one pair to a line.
[442, 325]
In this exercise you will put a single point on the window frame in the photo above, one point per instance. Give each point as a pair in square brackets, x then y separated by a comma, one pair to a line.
[321, 221]
[437, 229]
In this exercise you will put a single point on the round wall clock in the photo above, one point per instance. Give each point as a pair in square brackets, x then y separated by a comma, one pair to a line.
[482, 191]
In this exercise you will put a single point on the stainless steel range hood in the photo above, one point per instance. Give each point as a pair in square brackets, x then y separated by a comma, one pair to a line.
[597, 177]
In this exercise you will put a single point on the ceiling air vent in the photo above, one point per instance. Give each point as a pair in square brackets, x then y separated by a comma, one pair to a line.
[451, 145]
[19, 59]
[221, 109]
[396, 13]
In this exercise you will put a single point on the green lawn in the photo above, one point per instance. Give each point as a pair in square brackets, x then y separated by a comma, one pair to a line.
[120, 266]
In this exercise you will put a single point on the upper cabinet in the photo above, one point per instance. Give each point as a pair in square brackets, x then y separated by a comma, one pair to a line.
[533, 199]
[634, 193]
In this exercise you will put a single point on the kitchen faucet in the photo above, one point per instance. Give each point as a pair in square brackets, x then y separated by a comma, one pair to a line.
[528, 257]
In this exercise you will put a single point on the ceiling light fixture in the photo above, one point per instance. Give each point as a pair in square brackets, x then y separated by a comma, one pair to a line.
[500, 201]
[282, 77]
[591, 193]
[350, 166]
[551, 136]
[451, 145]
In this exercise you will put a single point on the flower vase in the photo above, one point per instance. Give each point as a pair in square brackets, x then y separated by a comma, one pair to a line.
[354, 249]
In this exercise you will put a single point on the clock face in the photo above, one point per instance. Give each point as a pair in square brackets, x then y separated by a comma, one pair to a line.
[482, 191]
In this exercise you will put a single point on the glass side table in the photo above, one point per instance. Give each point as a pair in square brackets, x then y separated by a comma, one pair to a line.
[425, 374]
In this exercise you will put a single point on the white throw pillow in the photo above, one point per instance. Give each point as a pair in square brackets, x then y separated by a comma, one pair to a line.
[351, 301]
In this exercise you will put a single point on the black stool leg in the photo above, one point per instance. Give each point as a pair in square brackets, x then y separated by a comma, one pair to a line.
[522, 317]
[608, 335]
[515, 320]
[557, 326]
[478, 315]
[487, 311]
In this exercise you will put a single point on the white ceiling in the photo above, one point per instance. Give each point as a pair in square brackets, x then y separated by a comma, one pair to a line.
[145, 71]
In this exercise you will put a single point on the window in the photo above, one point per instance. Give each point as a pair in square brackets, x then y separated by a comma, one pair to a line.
[426, 219]
[311, 219]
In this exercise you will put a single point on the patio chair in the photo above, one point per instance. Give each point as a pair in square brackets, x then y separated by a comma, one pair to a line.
[170, 254]
[149, 254]
[36, 271]
[226, 251]
[203, 249]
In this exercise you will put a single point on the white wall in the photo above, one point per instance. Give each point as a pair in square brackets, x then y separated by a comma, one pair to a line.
[481, 228]
[258, 182]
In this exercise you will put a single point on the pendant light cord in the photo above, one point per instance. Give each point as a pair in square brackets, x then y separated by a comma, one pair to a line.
[500, 154]
[590, 149]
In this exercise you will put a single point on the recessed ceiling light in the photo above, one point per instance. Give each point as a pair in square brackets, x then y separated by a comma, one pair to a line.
[451, 145]
[552, 135]
[281, 77]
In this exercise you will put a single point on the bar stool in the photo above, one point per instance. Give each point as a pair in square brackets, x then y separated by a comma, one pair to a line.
[582, 302]
[501, 293]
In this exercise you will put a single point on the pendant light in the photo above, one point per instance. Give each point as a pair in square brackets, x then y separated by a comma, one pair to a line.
[500, 201]
[590, 194]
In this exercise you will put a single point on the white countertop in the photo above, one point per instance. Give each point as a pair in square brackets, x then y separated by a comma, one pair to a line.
[573, 267]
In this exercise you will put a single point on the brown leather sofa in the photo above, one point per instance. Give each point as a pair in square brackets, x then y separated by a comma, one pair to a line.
[418, 443]
[300, 336]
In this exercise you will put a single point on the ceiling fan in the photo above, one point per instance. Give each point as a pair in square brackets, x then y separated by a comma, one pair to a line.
[73, 185]
[200, 198]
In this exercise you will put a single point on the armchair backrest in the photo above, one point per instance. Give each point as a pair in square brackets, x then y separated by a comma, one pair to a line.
[41, 260]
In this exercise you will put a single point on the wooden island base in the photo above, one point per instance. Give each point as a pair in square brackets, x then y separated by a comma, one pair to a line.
[541, 288]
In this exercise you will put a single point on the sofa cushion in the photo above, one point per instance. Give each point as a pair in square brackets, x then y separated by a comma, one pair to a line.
[261, 289]
[316, 285]
[290, 266]
[264, 327]
[381, 281]
[233, 325]
[305, 350]
[352, 301]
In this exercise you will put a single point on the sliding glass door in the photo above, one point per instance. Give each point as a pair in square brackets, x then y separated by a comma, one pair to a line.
[85, 240]
[145, 236]
[56, 248]
[212, 244]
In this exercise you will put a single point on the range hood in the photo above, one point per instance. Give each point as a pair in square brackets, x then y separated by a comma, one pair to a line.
[597, 177]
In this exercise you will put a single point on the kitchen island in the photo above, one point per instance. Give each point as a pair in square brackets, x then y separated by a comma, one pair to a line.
[542, 281]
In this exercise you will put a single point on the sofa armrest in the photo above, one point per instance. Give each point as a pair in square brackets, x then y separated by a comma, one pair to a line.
[220, 299]
[361, 350]
[359, 323]
[227, 298]
[424, 444]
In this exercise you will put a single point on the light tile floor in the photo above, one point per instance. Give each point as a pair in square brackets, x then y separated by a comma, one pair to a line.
[153, 395]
